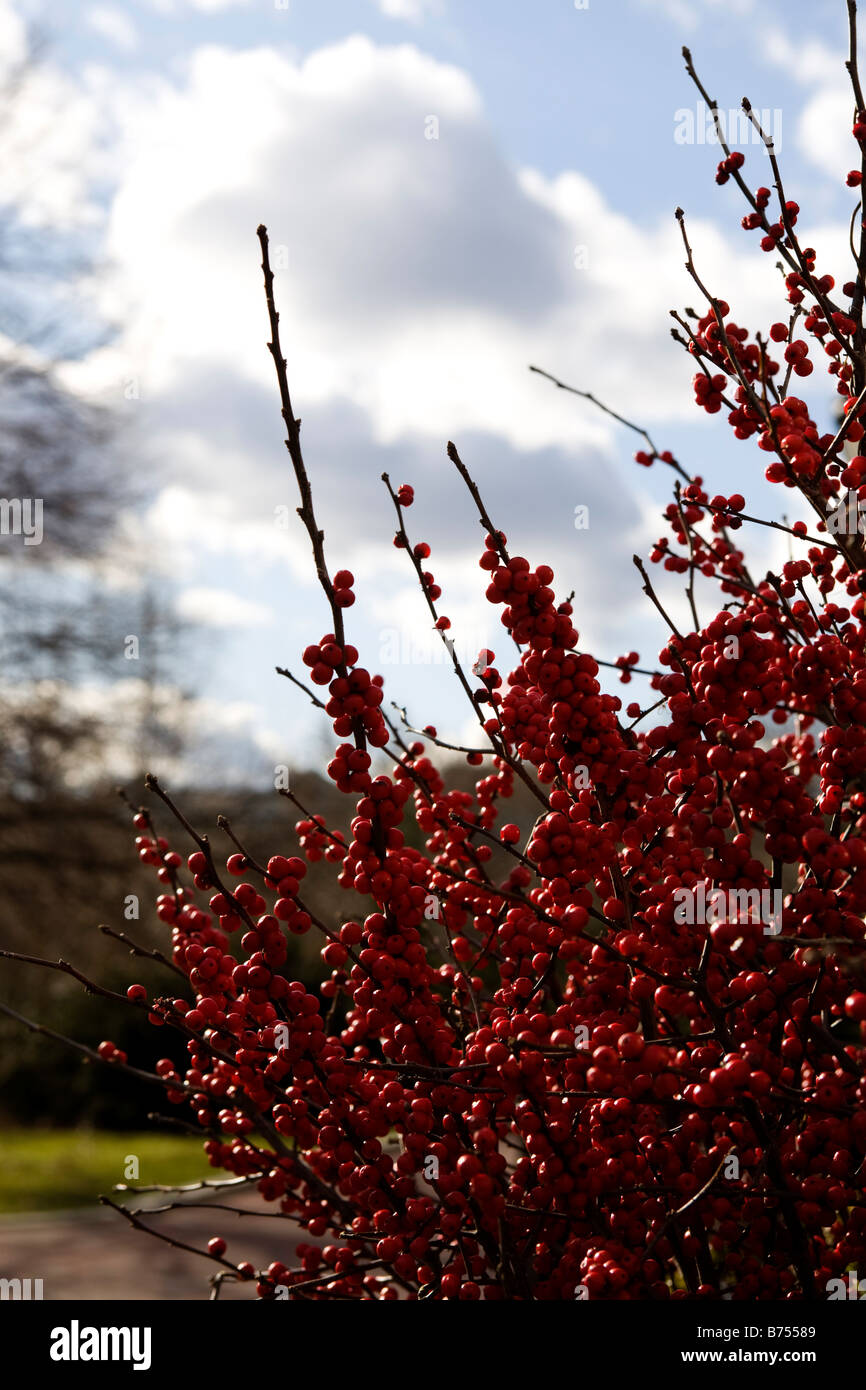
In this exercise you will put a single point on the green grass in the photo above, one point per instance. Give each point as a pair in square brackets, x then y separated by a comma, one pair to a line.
[43, 1170]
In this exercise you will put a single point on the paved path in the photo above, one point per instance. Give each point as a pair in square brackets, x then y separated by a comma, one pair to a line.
[96, 1254]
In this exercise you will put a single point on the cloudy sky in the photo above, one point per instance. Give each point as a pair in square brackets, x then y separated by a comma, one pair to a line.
[454, 189]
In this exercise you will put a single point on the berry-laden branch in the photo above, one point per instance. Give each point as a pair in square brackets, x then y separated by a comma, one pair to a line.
[635, 1067]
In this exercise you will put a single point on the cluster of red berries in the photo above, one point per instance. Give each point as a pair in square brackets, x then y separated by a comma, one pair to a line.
[729, 165]
[614, 1048]
[581, 1048]
[355, 694]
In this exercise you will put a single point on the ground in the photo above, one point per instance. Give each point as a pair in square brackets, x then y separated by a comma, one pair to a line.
[85, 1251]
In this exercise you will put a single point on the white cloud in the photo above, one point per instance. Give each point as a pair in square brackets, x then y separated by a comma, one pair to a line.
[809, 60]
[681, 12]
[221, 608]
[186, 525]
[13, 37]
[824, 131]
[413, 11]
[416, 280]
[204, 6]
[112, 24]
[54, 144]
[824, 123]
[688, 14]
[214, 6]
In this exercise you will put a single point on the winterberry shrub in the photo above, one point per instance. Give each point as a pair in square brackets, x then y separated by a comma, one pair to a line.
[629, 1079]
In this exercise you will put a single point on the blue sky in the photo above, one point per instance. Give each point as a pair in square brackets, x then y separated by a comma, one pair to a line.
[419, 278]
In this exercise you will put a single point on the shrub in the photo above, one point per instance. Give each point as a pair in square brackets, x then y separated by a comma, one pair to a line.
[638, 1072]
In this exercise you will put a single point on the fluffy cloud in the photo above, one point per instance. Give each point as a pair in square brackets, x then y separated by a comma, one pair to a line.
[416, 277]
[204, 6]
[221, 608]
[688, 14]
[214, 6]
[418, 273]
[112, 24]
[824, 124]
[411, 10]
[13, 38]
[824, 131]
[54, 149]
[809, 60]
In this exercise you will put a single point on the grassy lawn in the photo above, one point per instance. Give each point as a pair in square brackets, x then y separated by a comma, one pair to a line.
[43, 1169]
